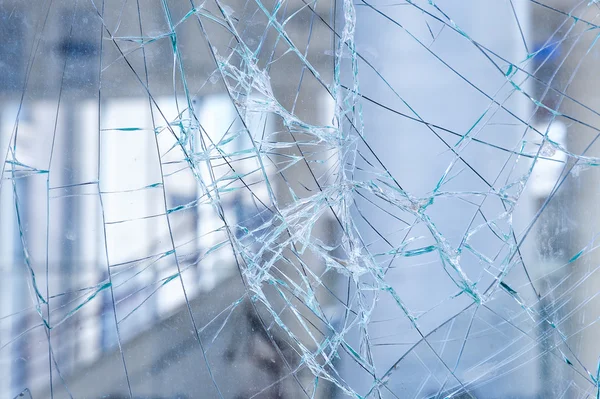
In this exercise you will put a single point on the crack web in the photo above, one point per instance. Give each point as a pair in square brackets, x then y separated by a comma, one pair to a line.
[294, 198]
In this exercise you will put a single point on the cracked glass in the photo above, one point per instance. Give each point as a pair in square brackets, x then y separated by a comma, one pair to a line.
[299, 199]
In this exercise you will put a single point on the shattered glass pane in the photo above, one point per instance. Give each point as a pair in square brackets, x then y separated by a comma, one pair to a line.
[299, 199]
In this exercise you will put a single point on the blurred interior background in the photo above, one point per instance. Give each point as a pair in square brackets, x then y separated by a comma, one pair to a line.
[149, 176]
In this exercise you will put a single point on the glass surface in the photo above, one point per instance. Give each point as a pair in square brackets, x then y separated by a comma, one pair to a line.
[299, 199]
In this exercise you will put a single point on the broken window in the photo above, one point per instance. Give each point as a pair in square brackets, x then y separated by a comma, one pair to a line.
[299, 198]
